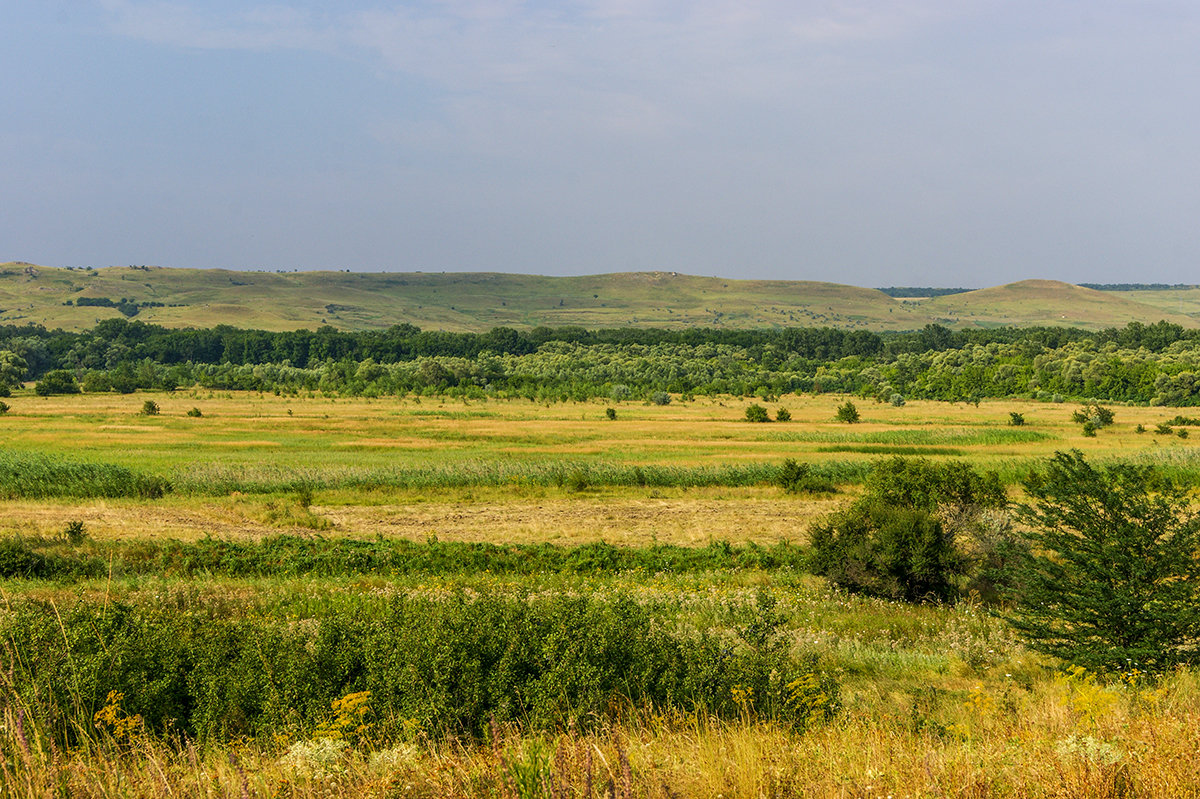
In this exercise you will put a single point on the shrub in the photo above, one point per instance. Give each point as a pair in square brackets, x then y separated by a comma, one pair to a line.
[1112, 581]
[796, 477]
[1163, 429]
[195, 413]
[1016, 419]
[441, 667]
[150, 408]
[897, 400]
[847, 412]
[1093, 418]
[783, 415]
[3, 407]
[887, 551]
[918, 533]
[610, 413]
[56, 381]
[660, 398]
[757, 413]
[1182, 432]
[75, 532]
[1141, 428]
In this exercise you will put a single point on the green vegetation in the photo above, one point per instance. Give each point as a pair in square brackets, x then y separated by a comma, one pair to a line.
[294, 556]
[434, 666]
[1113, 583]
[907, 537]
[848, 413]
[757, 413]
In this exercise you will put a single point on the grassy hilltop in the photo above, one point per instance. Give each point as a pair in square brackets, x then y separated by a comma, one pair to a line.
[464, 301]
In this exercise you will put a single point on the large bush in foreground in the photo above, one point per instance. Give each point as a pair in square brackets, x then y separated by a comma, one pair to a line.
[1113, 580]
[914, 535]
[442, 666]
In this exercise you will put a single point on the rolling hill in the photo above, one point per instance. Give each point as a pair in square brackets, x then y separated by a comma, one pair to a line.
[76, 299]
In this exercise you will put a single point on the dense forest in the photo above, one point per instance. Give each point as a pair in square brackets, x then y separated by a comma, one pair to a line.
[1157, 363]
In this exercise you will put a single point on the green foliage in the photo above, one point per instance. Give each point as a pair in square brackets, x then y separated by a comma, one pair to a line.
[1016, 419]
[610, 413]
[1093, 418]
[783, 415]
[13, 369]
[925, 484]
[757, 413]
[442, 667]
[3, 407]
[1163, 429]
[660, 398]
[897, 400]
[56, 381]
[799, 477]
[150, 408]
[847, 412]
[75, 532]
[29, 476]
[886, 551]
[898, 541]
[1141, 428]
[195, 413]
[1112, 581]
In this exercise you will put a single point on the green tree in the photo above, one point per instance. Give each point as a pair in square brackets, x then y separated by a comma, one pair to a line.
[757, 413]
[848, 413]
[12, 369]
[1112, 581]
[56, 381]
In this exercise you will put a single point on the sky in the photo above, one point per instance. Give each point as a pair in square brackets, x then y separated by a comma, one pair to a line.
[912, 143]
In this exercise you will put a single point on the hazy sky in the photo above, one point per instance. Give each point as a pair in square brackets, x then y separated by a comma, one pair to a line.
[932, 142]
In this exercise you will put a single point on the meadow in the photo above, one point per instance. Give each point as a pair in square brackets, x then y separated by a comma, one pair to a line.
[329, 596]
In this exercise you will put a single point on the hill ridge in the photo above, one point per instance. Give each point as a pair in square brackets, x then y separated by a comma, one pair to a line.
[77, 298]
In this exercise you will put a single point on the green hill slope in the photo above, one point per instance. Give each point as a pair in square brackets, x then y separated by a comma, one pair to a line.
[52, 297]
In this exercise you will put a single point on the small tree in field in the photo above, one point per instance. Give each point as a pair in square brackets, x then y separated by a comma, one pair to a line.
[757, 413]
[1113, 579]
[848, 413]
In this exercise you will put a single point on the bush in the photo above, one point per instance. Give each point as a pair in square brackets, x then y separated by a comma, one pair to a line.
[757, 413]
[897, 400]
[75, 532]
[1112, 581]
[3, 407]
[796, 477]
[917, 534]
[150, 408]
[783, 415]
[886, 551]
[610, 413]
[195, 413]
[1093, 418]
[1016, 419]
[848, 413]
[443, 667]
[56, 381]
[660, 398]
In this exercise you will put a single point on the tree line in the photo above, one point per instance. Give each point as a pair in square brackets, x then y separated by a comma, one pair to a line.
[1157, 363]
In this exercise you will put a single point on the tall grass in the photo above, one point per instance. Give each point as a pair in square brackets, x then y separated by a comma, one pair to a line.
[36, 476]
[293, 556]
[580, 475]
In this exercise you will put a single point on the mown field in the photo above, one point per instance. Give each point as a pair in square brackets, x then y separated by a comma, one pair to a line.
[289, 596]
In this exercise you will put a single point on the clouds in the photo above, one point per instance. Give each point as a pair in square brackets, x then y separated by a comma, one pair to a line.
[871, 142]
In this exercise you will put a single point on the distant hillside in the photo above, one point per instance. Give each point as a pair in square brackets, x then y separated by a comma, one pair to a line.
[75, 299]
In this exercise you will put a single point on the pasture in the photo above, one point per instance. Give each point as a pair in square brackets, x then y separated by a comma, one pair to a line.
[236, 612]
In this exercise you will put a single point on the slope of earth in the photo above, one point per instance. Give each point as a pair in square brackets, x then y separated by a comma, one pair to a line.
[1047, 302]
[462, 301]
